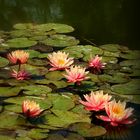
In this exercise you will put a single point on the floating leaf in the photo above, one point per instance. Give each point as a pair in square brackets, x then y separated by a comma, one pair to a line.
[10, 120]
[115, 78]
[58, 28]
[36, 90]
[54, 75]
[113, 54]
[3, 62]
[65, 118]
[61, 102]
[107, 59]
[131, 54]
[20, 43]
[33, 53]
[130, 63]
[60, 41]
[22, 26]
[129, 88]
[9, 91]
[38, 134]
[88, 130]
[111, 47]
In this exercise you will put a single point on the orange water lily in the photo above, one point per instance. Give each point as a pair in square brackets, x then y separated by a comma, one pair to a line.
[96, 100]
[20, 75]
[76, 74]
[18, 57]
[59, 60]
[31, 109]
[117, 113]
[96, 65]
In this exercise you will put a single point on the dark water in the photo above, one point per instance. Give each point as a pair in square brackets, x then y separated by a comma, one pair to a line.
[100, 21]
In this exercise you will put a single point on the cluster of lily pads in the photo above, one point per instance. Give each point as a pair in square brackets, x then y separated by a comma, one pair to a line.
[58, 73]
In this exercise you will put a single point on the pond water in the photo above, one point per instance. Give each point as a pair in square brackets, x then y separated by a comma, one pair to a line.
[101, 22]
[34, 78]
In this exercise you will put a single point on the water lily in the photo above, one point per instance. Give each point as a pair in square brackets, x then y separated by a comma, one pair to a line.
[76, 74]
[20, 75]
[96, 100]
[59, 60]
[18, 57]
[96, 65]
[117, 113]
[31, 109]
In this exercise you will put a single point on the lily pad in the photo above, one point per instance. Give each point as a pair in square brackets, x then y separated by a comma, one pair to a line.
[20, 43]
[65, 118]
[22, 26]
[36, 90]
[10, 120]
[115, 78]
[33, 53]
[43, 102]
[58, 28]
[129, 88]
[108, 59]
[131, 54]
[3, 62]
[54, 75]
[111, 47]
[61, 102]
[9, 91]
[88, 130]
[113, 54]
[38, 134]
[60, 41]
[134, 63]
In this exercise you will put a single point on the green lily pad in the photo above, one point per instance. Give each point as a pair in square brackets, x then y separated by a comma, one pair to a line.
[129, 88]
[60, 41]
[65, 118]
[131, 54]
[61, 102]
[13, 108]
[58, 84]
[5, 137]
[115, 78]
[9, 91]
[38, 62]
[54, 75]
[94, 77]
[10, 120]
[33, 53]
[113, 54]
[20, 43]
[88, 130]
[108, 59]
[58, 28]
[38, 134]
[111, 47]
[135, 73]
[55, 137]
[3, 62]
[35, 70]
[20, 33]
[43, 102]
[22, 26]
[133, 63]
[36, 90]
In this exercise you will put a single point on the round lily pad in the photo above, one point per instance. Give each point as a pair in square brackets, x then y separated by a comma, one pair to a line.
[88, 130]
[58, 28]
[22, 26]
[58, 101]
[3, 62]
[108, 59]
[20, 43]
[36, 90]
[60, 41]
[131, 54]
[111, 47]
[33, 53]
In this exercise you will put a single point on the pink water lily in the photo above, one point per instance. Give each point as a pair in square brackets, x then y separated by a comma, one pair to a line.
[31, 109]
[18, 57]
[20, 75]
[76, 74]
[96, 65]
[117, 113]
[96, 100]
[59, 60]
